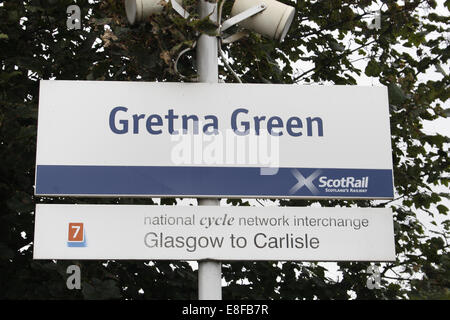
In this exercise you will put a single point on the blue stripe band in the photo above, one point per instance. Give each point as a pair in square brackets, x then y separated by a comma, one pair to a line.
[212, 181]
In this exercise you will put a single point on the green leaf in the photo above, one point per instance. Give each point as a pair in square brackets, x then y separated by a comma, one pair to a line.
[373, 69]
[442, 209]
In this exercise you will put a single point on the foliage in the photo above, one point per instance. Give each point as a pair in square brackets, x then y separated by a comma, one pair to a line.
[330, 37]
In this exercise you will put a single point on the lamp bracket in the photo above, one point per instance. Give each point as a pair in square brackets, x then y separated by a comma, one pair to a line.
[242, 16]
[235, 37]
[179, 9]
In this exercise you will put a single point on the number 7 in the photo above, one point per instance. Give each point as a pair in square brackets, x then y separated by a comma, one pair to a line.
[76, 231]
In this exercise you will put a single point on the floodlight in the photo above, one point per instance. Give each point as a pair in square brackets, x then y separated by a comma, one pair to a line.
[139, 10]
[273, 22]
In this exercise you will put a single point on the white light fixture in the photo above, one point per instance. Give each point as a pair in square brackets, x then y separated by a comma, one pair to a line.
[273, 22]
[139, 10]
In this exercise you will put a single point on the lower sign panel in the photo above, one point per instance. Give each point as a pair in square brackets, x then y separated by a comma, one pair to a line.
[218, 233]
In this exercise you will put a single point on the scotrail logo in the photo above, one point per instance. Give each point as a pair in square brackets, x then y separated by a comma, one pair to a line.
[302, 181]
[329, 185]
[77, 235]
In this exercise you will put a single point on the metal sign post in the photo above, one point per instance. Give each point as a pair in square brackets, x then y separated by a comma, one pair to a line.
[209, 272]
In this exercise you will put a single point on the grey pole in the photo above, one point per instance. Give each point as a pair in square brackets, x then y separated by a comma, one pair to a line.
[208, 70]
[209, 272]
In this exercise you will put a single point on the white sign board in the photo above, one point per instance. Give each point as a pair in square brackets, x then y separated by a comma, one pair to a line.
[218, 233]
[213, 140]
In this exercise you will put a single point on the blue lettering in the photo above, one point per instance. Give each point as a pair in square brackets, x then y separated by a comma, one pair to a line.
[112, 121]
[258, 124]
[271, 125]
[136, 119]
[309, 122]
[241, 123]
[214, 125]
[185, 123]
[245, 124]
[151, 123]
[290, 125]
[170, 117]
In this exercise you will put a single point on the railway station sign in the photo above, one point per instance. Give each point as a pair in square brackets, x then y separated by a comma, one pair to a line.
[140, 139]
